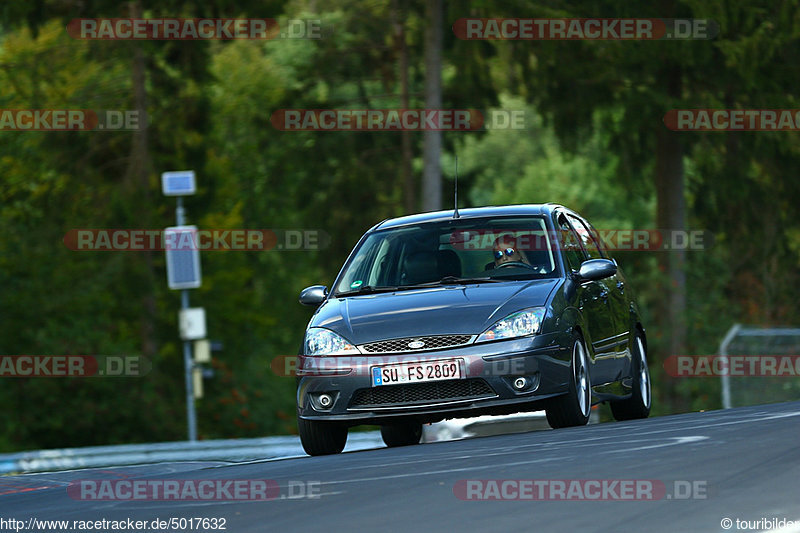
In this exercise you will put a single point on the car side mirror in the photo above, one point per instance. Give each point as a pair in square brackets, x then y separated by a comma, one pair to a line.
[313, 295]
[596, 269]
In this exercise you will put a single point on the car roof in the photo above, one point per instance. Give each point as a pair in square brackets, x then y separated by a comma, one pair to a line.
[467, 213]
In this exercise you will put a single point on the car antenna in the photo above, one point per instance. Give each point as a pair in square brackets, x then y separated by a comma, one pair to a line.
[455, 202]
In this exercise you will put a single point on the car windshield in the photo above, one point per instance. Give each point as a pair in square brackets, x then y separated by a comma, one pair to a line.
[456, 251]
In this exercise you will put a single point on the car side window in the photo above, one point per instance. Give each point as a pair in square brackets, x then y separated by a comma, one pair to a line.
[599, 240]
[588, 240]
[570, 244]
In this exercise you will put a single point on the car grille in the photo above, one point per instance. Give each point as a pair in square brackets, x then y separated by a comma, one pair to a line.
[421, 393]
[431, 343]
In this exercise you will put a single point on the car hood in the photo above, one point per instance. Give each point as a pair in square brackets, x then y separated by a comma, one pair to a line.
[451, 309]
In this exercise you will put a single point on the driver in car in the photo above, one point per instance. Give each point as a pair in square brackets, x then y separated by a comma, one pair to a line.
[506, 250]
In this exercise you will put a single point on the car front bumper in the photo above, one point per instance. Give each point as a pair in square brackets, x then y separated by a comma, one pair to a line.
[487, 387]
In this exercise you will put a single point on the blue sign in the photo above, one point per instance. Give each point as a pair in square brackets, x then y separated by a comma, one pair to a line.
[178, 183]
[183, 257]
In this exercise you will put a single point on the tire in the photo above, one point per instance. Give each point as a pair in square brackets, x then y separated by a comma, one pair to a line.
[638, 405]
[403, 434]
[573, 409]
[321, 438]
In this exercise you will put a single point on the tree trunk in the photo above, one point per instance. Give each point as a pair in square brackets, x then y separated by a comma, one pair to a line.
[137, 178]
[671, 215]
[409, 185]
[432, 177]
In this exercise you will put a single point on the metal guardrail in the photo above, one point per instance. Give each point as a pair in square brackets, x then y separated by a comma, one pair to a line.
[737, 330]
[241, 450]
[228, 450]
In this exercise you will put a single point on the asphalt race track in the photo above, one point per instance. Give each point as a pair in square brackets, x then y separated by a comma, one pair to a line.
[742, 463]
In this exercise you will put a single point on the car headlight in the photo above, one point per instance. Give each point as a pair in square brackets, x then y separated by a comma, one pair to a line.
[321, 341]
[519, 324]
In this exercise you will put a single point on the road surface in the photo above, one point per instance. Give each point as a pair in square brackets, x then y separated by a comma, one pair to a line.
[742, 463]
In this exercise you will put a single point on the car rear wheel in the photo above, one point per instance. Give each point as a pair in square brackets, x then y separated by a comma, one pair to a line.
[638, 405]
[404, 434]
[573, 408]
[321, 438]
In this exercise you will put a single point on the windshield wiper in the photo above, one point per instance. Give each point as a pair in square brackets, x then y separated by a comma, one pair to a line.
[369, 289]
[447, 280]
[455, 280]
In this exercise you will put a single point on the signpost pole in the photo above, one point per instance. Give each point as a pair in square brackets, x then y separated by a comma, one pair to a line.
[183, 273]
[188, 365]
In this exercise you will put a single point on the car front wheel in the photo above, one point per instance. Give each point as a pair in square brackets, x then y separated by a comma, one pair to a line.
[321, 438]
[573, 408]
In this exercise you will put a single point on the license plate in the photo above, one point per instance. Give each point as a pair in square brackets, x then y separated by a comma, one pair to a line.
[417, 372]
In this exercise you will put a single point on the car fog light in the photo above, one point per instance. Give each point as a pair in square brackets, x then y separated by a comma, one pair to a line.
[521, 383]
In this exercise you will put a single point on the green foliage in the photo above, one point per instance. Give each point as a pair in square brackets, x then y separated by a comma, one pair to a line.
[592, 112]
